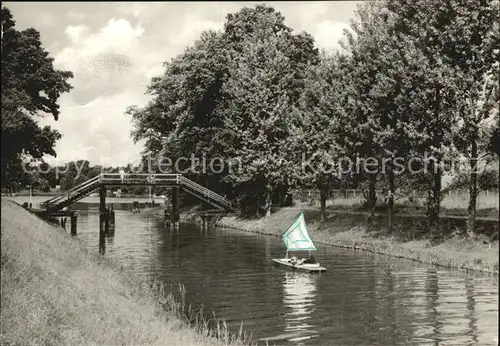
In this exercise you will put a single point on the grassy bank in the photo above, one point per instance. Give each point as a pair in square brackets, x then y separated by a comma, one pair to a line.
[475, 253]
[54, 292]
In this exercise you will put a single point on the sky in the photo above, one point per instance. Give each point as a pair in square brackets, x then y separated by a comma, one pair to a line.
[115, 48]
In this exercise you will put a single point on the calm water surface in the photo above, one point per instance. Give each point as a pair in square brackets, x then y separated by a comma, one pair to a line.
[363, 299]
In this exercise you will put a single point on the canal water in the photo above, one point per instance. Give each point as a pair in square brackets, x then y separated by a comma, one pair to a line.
[363, 299]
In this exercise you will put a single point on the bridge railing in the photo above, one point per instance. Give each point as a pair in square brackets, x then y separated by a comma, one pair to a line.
[155, 179]
[204, 191]
[73, 191]
[139, 178]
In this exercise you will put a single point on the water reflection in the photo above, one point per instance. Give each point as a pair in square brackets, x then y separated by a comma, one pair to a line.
[299, 298]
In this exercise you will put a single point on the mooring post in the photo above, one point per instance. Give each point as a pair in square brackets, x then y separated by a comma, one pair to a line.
[106, 223]
[112, 218]
[166, 217]
[175, 206]
[112, 222]
[73, 225]
[102, 219]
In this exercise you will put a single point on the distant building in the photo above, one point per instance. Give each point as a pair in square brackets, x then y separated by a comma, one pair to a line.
[58, 188]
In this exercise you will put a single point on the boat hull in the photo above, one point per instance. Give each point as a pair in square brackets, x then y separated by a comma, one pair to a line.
[311, 268]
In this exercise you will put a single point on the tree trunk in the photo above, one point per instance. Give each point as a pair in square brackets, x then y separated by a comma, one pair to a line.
[323, 195]
[268, 200]
[473, 190]
[434, 200]
[283, 195]
[372, 194]
[390, 197]
[257, 204]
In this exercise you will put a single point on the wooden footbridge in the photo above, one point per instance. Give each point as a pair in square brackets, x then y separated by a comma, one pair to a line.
[56, 206]
[108, 180]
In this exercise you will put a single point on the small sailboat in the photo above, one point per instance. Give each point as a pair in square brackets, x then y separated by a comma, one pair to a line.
[296, 238]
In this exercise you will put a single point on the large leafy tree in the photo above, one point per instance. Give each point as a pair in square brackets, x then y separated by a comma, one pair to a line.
[256, 118]
[322, 109]
[211, 97]
[357, 129]
[471, 48]
[476, 56]
[431, 27]
[402, 67]
[267, 75]
[30, 87]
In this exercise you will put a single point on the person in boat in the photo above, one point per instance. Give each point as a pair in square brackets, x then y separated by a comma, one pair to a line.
[310, 260]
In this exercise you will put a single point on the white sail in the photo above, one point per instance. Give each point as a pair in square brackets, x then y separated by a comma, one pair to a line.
[296, 237]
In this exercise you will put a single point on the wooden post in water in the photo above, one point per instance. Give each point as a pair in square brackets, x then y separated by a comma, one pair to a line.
[106, 222]
[102, 219]
[204, 221]
[111, 217]
[166, 217]
[175, 206]
[112, 222]
[73, 225]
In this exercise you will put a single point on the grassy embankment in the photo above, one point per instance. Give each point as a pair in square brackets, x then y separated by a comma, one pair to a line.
[54, 292]
[408, 240]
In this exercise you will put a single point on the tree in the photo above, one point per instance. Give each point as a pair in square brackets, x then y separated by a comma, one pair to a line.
[433, 28]
[262, 95]
[322, 109]
[402, 67]
[476, 57]
[202, 107]
[356, 128]
[30, 86]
